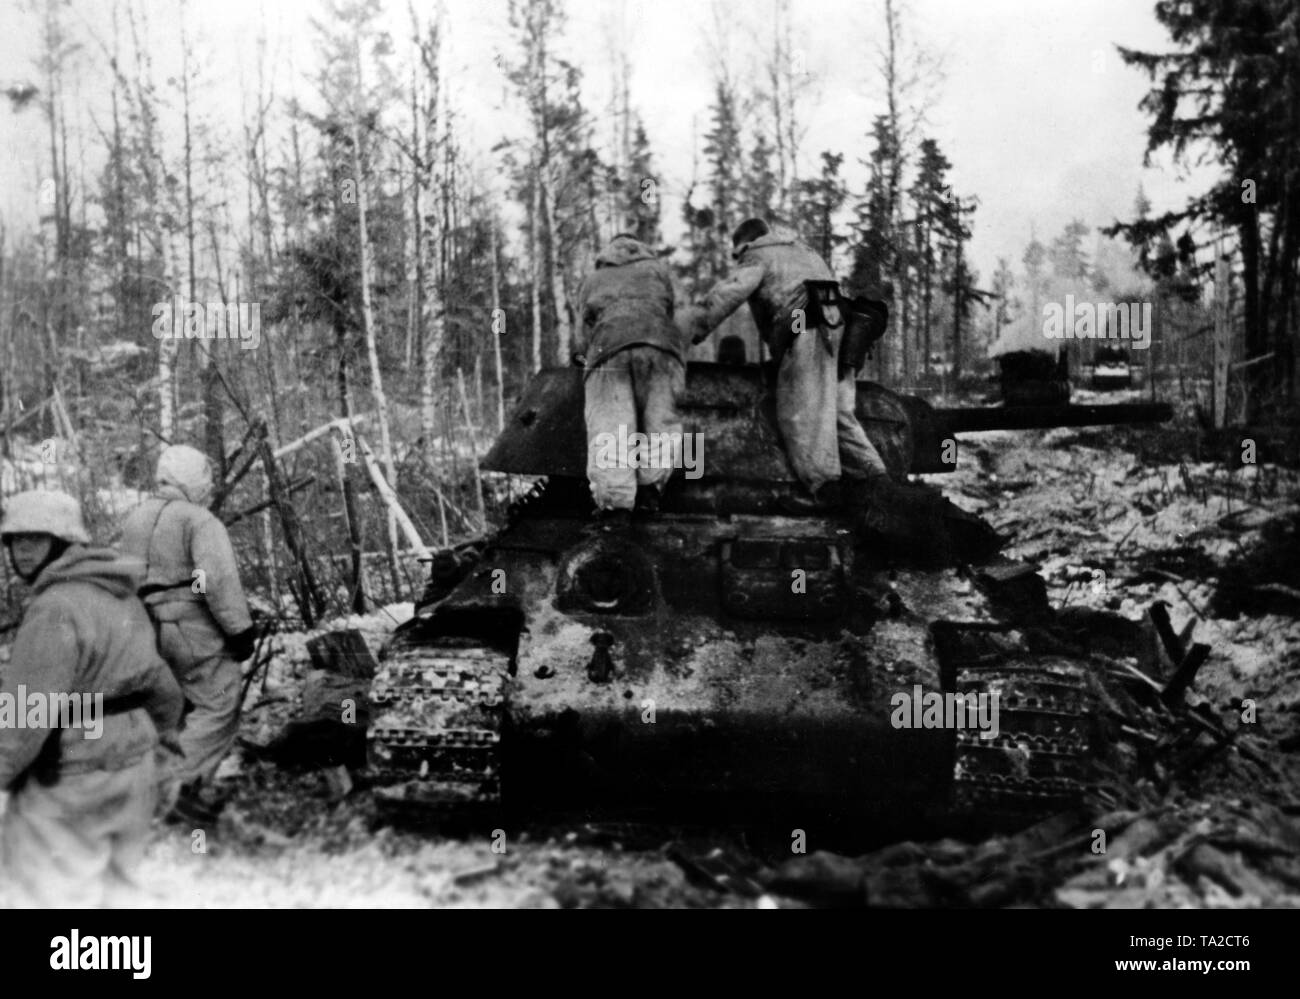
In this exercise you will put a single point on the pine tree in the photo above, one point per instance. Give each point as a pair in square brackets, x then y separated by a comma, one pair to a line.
[1232, 84]
[641, 199]
[537, 77]
[1067, 257]
[932, 207]
[1004, 281]
[761, 184]
[819, 200]
[722, 152]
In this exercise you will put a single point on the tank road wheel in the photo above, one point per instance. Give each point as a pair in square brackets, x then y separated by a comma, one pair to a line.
[1040, 760]
[436, 731]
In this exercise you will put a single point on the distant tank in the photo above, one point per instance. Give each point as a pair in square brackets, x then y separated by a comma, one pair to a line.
[1111, 369]
[728, 653]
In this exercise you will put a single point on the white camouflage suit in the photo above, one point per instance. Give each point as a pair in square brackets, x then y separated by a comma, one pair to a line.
[175, 534]
[636, 371]
[815, 408]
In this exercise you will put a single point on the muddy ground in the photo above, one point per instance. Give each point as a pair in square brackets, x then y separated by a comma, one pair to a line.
[1116, 521]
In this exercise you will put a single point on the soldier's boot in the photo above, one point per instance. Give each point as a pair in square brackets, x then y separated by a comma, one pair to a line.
[827, 498]
[857, 492]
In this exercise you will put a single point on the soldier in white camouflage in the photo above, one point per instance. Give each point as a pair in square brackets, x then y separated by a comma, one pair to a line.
[815, 400]
[634, 355]
[194, 595]
[77, 793]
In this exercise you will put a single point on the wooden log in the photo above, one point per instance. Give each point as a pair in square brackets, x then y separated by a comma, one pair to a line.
[331, 728]
[344, 653]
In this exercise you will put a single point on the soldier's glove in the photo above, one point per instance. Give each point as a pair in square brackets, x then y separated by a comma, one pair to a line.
[242, 646]
[578, 360]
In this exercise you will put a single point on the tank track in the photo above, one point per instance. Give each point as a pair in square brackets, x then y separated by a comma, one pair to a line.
[1040, 761]
[520, 506]
[435, 737]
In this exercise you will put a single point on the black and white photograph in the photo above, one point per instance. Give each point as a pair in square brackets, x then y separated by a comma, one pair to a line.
[610, 454]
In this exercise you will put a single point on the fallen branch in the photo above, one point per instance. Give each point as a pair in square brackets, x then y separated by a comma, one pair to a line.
[1184, 674]
[289, 490]
[1278, 588]
[343, 423]
[255, 431]
[259, 660]
[35, 410]
[390, 499]
[255, 434]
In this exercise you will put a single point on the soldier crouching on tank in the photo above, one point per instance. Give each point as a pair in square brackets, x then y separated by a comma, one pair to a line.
[77, 793]
[194, 596]
[634, 355]
[815, 400]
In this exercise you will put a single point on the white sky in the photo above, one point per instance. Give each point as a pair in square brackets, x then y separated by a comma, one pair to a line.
[1036, 112]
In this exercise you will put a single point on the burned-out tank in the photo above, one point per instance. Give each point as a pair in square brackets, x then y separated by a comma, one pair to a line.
[728, 651]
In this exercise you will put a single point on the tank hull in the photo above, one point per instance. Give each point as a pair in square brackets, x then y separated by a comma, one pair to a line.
[741, 665]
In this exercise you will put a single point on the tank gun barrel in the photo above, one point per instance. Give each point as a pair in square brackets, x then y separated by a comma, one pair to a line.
[1044, 417]
[931, 427]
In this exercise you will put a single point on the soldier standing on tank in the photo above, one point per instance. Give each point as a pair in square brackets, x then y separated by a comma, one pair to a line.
[194, 596]
[77, 795]
[815, 402]
[634, 356]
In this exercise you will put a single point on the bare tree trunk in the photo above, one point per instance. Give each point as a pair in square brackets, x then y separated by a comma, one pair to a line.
[6, 352]
[563, 334]
[957, 282]
[357, 591]
[149, 164]
[535, 263]
[213, 436]
[434, 330]
[56, 288]
[368, 323]
[424, 154]
[309, 600]
[498, 328]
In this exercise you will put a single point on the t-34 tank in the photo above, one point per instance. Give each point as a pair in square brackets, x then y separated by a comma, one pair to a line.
[729, 652]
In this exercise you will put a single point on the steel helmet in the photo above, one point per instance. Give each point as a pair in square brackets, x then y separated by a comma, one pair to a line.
[40, 511]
